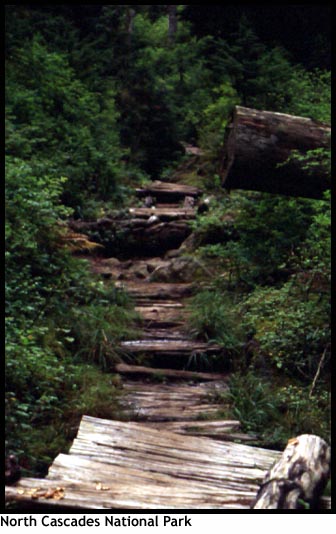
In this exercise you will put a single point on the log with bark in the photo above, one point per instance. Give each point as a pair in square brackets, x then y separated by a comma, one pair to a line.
[298, 479]
[258, 145]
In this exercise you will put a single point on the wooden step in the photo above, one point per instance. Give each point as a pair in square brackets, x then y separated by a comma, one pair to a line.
[170, 374]
[221, 430]
[172, 401]
[168, 191]
[162, 291]
[170, 332]
[161, 316]
[114, 465]
[169, 347]
[163, 214]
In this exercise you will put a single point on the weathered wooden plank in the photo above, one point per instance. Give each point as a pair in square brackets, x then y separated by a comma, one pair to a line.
[167, 191]
[127, 444]
[160, 315]
[114, 465]
[129, 492]
[172, 401]
[119, 488]
[137, 370]
[157, 291]
[299, 476]
[222, 430]
[179, 347]
[163, 214]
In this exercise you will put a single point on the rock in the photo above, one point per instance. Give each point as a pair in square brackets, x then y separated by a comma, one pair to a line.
[152, 220]
[205, 205]
[173, 253]
[179, 269]
[189, 202]
[149, 202]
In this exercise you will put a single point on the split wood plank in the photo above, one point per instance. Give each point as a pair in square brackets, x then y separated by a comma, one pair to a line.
[166, 190]
[159, 315]
[163, 214]
[157, 291]
[137, 370]
[179, 347]
[221, 430]
[172, 401]
[197, 459]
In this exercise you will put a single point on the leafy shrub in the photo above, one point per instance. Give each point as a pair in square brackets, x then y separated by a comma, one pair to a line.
[292, 330]
[54, 309]
[276, 412]
[212, 319]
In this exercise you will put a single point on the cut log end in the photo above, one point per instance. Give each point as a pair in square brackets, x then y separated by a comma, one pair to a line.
[258, 145]
[298, 479]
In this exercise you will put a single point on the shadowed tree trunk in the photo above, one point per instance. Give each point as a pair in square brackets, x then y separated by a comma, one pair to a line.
[129, 21]
[258, 145]
[172, 17]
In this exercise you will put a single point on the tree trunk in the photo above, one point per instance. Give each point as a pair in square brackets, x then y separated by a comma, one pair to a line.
[172, 19]
[130, 18]
[299, 478]
[258, 142]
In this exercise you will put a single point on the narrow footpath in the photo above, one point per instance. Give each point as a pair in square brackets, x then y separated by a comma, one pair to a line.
[174, 452]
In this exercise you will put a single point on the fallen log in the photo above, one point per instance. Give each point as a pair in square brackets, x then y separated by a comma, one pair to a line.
[298, 479]
[257, 145]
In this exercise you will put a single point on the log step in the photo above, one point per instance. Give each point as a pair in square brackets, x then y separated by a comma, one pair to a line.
[221, 430]
[174, 374]
[171, 402]
[168, 191]
[116, 465]
[157, 291]
[179, 348]
[162, 316]
[172, 333]
[163, 214]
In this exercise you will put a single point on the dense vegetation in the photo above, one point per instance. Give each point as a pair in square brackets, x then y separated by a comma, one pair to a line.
[98, 99]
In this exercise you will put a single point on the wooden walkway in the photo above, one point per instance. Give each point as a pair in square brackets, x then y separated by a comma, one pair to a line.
[176, 453]
[116, 465]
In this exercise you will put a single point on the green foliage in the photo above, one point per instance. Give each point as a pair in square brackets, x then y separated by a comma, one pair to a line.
[54, 309]
[215, 117]
[276, 413]
[61, 127]
[211, 318]
[292, 327]
[314, 89]
[271, 228]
